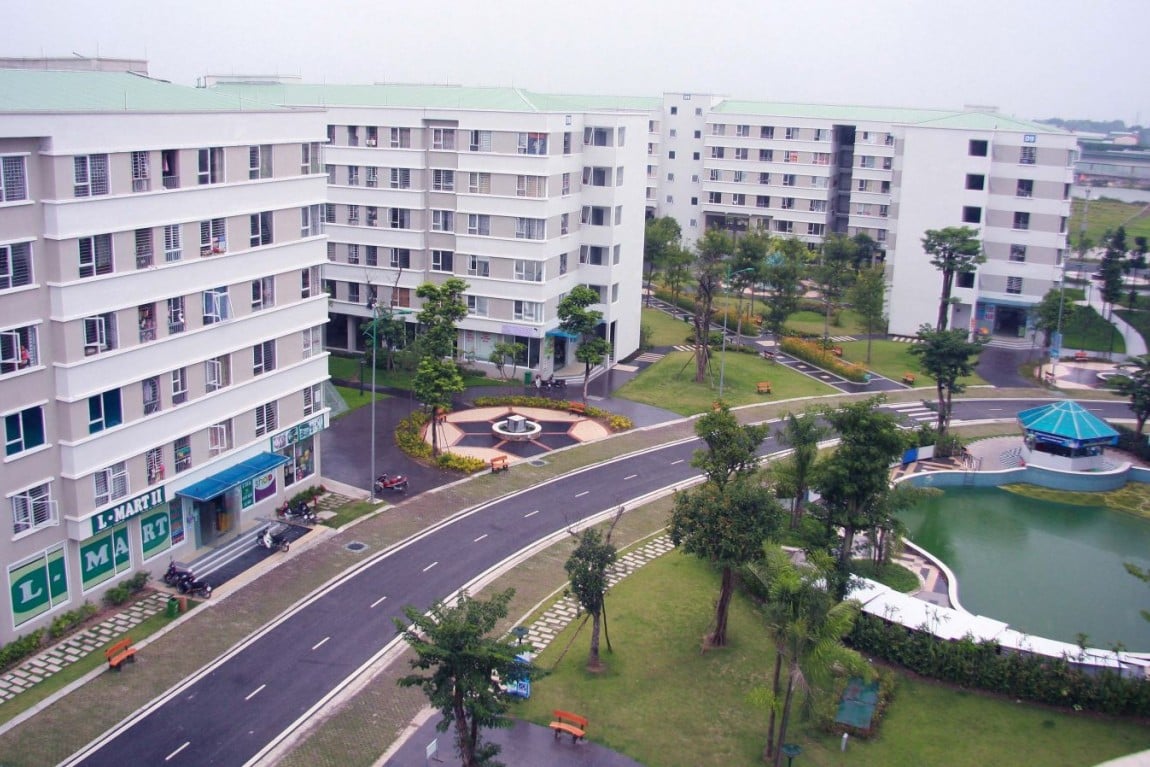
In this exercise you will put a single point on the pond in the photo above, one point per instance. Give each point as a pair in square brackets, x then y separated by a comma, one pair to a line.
[1048, 569]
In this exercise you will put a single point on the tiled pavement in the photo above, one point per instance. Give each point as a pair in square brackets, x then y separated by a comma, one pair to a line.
[80, 644]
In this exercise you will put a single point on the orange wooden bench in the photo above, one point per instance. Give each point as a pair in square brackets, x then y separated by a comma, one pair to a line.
[578, 408]
[1080, 356]
[120, 653]
[838, 351]
[572, 724]
[763, 387]
[499, 463]
[908, 379]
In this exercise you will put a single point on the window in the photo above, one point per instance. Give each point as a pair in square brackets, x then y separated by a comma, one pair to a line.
[19, 349]
[567, 142]
[312, 341]
[816, 230]
[1014, 285]
[442, 261]
[443, 180]
[90, 175]
[401, 138]
[674, 110]
[1027, 155]
[400, 178]
[104, 411]
[1025, 188]
[217, 305]
[532, 143]
[564, 223]
[887, 163]
[33, 508]
[400, 218]
[528, 311]
[110, 483]
[266, 418]
[372, 136]
[478, 266]
[480, 141]
[179, 386]
[764, 178]
[154, 462]
[141, 181]
[308, 280]
[863, 209]
[372, 215]
[535, 186]
[528, 271]
[261, 228]
[884, 187]
[1021, 220]
[479, 183]
[146, 318]
[353, 175]
[220, 437]
[595, 215]
[442, 221]
[866, 161]
[978, 148]
[784, 227]
[596, 136]
[217, 373]
[150, 390]
[313, 399]
[742, 153]
[399, 258]
[443, 138]
[792, 134]
[762, 201]
[715, 198]
[738, 199]
[743, 130]
[15, 265]
[95, 255]
[23, 430]
[353, 135]
[716, 174]
[478, 223]
[477, 306]
[884, 211]
[530, 229]
[593, 255]
[694, 200]
[330, 173]
[787, 203]
[971, 214]
[309, 158]
[818, 206]
[372, 178]
[353, 215]
[176, 315]
[717, 152]
[975, 181]
[863, 185]
[562, 263]
[264, 293]
[264, 357]
[1017, 252]
[673, 134]
[260, 161]
[99, 333]
[788, 179]
[173, 247]
[821, 158]
[766, 131]
[213, 236]
[211, 166]
[13, 179]
[671, 155]
[718, 129]
[182, 450]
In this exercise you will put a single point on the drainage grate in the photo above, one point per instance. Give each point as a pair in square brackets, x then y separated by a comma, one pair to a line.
[355, 546]
[537, 462]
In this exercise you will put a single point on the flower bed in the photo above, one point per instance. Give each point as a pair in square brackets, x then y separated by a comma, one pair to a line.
[814, 353]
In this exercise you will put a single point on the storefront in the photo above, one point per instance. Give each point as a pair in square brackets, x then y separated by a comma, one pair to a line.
[215, 505]
[297, 447]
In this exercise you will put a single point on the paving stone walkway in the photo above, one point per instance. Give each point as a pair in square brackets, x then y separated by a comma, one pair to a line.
[79, 645]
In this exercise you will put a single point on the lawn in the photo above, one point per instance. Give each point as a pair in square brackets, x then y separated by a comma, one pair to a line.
[850, 324]
[1107, 215]
[665, 329]
[663, 702]
[670, 383]
[347, 369]
[356, 398]
[1088, 330]
[892, 359]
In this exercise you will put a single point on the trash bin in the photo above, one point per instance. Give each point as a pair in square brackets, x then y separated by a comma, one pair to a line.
[526, 377]
[173, 607]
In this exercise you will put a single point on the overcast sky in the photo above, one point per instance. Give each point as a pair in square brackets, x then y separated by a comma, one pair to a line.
[1030, 58]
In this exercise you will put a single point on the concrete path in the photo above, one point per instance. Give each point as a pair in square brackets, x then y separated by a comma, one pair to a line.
[1135, 345]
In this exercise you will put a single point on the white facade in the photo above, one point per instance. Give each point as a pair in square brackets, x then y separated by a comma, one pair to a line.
[160, 325]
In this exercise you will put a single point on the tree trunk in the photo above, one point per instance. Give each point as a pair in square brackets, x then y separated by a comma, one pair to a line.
[586, 380]
[593, 662]
[719, 637]
[465, 741]
[786, 718]
[702, 347]
[797, 511]
[1141, 423]
[776, 684]
[944, 300]
[848, 544]
[941, 409]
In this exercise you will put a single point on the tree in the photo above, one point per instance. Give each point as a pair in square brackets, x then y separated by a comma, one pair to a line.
[784, 272]
[802, 434]
[587, 569]
[953, 250]
[867, 297]
[725, 520]
[1049, 311]
[677, 270]
[464, 664]
[946, 356]
[504, 351]
[437, 377]
[576, 317]
[711, 252]
[1112, 277]
[748, 266]
[1135, 384]
[659, 237]
[865, 250]
[833, 274]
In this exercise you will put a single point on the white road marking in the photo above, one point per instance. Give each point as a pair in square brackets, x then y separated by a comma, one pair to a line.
[376, 602]
[630, 476]
[178, 750]
[253, 693]
[678, 461]
[580, 495]
[995, 409]
[433, 564]
[317, 645]
[530, 514]
[480, 538]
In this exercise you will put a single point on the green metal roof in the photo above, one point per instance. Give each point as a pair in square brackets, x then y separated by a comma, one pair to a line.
[1067, 419]
[558, 103]
[941, 118]
[37, 90]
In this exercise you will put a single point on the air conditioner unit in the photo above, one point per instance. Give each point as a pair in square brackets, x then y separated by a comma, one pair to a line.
[372, 142]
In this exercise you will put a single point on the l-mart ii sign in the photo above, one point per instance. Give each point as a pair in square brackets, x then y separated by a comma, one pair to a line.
[128, 509]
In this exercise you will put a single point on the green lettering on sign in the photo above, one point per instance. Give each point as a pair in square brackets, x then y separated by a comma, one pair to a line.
[155, 533]
[247, 494]
[38, 585]
[128, 509]
[104, 556]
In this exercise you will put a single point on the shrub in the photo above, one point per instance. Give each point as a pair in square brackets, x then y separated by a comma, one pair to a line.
[815, 354]
[465, 463]
[63, 624]
[19, 649]
[614, 422]
[408, 435]
[117, 595]
[1132, 442]
[138, 581]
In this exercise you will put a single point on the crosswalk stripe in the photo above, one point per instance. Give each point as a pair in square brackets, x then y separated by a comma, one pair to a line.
[681, 348]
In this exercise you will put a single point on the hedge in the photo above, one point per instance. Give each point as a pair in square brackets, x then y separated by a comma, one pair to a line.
[814, 353]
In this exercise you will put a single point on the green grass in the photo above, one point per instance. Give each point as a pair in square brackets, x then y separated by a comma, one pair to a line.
[1139, 320]
[355, 398]
[892, 359]
[1132, 498]
[663, 702]
[349, 512]
[1089, 331]
[893, 574]
[812, 322]
[665, 329]
[670, 385]
[347, 369]
[1108, 215]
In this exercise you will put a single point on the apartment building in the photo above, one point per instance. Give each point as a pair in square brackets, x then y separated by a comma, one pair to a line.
[522, 195]
[161, 312]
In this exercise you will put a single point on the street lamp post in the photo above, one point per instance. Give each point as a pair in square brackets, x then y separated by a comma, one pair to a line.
[723, 353]
[373, 305]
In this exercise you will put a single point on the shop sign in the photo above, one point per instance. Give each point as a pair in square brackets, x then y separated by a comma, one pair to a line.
[298, 432]
[37, 586]
[155, 533]
[257, 489]
[128, 509]
[104, 556]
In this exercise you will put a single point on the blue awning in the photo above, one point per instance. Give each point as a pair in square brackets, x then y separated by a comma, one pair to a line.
[1069, 422]
[560, 333]
[218, 484]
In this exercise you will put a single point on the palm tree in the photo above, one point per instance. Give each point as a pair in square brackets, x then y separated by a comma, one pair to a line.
[802, 434]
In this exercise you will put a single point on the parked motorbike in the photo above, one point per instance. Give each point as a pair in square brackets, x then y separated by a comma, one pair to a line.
[398, 483]
[555, 383]
[175, 574]
[301, 512]
[197, 587]
[272, 541]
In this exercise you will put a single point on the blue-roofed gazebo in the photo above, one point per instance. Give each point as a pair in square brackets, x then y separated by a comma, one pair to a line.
[1064, 435]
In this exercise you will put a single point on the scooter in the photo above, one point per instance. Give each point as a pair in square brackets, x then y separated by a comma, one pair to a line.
[301, 512]
[272, 541]
[176, 574]
[397, 483]
[555, 383]
[195, 586]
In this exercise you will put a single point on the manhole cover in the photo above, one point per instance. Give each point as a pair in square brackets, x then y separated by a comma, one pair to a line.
[537, 462]
[355, 546]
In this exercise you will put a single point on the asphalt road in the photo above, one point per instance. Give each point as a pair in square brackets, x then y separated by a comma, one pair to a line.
[246, 701]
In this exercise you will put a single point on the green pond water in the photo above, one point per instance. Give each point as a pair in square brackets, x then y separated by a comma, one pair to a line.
[1048, 569]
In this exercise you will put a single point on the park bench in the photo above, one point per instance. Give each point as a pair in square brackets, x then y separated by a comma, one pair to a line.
[499, 463]
[120, 653]
[578, 408]
[572, 724]
[838, 351]
[763, 387]
[1080, 356]
[908, 379]
[768, 355]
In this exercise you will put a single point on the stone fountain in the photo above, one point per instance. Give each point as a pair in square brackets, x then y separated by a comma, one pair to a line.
[516, 428]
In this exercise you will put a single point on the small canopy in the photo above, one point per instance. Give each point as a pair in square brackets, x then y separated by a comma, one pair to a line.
[560, 333]
[218, 484]
[1069, 422]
